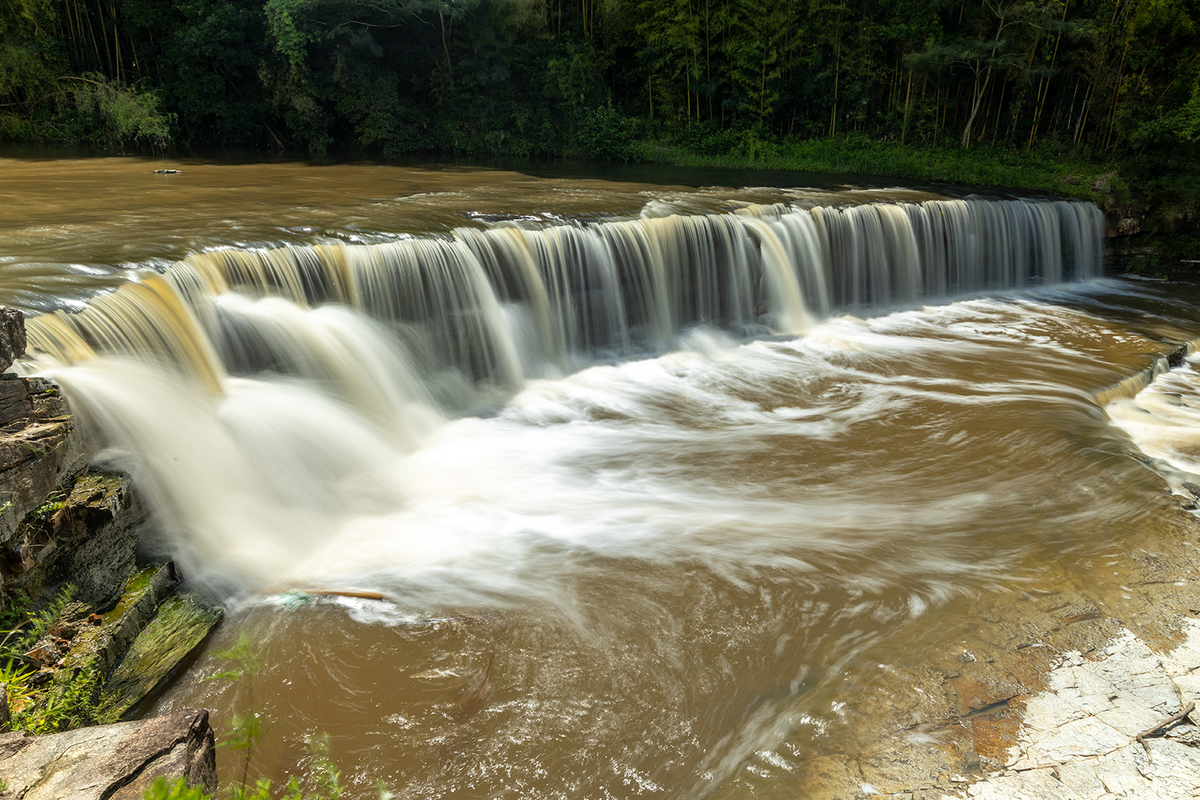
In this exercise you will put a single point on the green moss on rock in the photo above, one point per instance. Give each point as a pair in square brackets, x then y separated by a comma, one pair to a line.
[181, 625]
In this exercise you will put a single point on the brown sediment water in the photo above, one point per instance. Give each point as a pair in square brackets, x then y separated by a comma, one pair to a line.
[654, 481]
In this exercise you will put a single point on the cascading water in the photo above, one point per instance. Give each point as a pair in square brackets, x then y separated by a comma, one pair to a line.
[356, 350]
[651, 502]
[506, 303]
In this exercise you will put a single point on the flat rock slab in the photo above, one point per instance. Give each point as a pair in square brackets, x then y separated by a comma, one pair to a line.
[1079, 737]
[109, 762]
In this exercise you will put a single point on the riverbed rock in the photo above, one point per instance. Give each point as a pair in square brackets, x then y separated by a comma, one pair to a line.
[110, 642]
[109, 762]
[1080, 737]
[1044, 693]
[95, 536]
[180, 626]
[12, 336]
[84, 534]
[39, 448]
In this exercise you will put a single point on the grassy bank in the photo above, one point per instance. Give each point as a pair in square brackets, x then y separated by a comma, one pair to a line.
[1039, 170]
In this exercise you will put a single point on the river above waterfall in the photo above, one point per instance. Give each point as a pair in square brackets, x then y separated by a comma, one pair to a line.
[654, 482]
[74, 225]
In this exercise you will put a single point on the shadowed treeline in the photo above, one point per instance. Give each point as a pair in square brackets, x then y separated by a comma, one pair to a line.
[1089, 79]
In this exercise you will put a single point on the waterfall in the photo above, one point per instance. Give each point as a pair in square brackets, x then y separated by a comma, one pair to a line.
[495, 306]
[262, 398]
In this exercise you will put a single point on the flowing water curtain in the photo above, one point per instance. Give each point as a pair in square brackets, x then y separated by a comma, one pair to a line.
[146, 319]
[436, 294]
[499, 305]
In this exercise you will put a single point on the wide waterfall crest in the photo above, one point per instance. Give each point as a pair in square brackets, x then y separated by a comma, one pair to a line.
[495, 306]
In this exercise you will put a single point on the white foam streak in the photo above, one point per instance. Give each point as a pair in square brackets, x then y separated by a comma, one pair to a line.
[343, 352]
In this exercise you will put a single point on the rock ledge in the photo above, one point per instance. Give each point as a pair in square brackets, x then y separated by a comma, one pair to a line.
[109, 762]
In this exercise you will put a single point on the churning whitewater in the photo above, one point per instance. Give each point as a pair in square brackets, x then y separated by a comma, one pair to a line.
[295, 383]
[652, 498]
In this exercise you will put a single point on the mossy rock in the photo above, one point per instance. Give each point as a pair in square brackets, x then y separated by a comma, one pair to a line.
[181, 625]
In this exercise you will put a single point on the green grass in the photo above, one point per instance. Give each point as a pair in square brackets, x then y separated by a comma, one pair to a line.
[1037, 170]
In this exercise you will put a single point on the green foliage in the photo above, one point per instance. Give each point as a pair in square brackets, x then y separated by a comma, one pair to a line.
[210, 66]
[322, 781]
[572, 79]
[72, 696]
[1176, 126]
[754, 144]
[25, 634]
[761, 35]
[262, 791]
[28, 60]
[1044, 168]
[1112, 81]
[602, 136]
[54, 502]
[326, 775]
[324, 789]
[71, 700]
[119, 115]
[16, 610]
[245, 730]
[245, 658]
[285, 30]
[179, 790]
[245, 733]
[14, 677]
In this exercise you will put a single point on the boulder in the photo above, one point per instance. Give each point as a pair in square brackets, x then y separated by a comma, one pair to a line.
[87, 538]
[110, 762]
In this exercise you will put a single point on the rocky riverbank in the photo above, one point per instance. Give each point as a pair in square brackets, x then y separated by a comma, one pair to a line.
[91, 629]
[1174, 256]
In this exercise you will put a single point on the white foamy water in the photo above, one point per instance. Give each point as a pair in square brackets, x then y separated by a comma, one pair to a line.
[325, 475]
[717, 545]
[1163, 420]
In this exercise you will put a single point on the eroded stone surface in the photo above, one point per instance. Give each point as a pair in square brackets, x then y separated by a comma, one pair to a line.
[1042, 692]
[12, 336]
[109, 762]
[86, 538]
[39, 448]
[1078, 737]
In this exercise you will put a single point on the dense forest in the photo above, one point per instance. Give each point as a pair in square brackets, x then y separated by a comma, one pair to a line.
[1109, 78]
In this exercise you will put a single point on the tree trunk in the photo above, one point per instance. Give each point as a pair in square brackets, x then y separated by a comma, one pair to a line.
[976, 102]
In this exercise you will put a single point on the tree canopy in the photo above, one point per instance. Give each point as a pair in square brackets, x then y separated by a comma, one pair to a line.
[526, 77]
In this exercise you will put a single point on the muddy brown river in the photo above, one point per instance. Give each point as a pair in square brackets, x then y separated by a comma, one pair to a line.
[656, 479]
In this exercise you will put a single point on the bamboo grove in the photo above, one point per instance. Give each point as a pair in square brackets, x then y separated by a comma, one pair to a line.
[528, 77]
